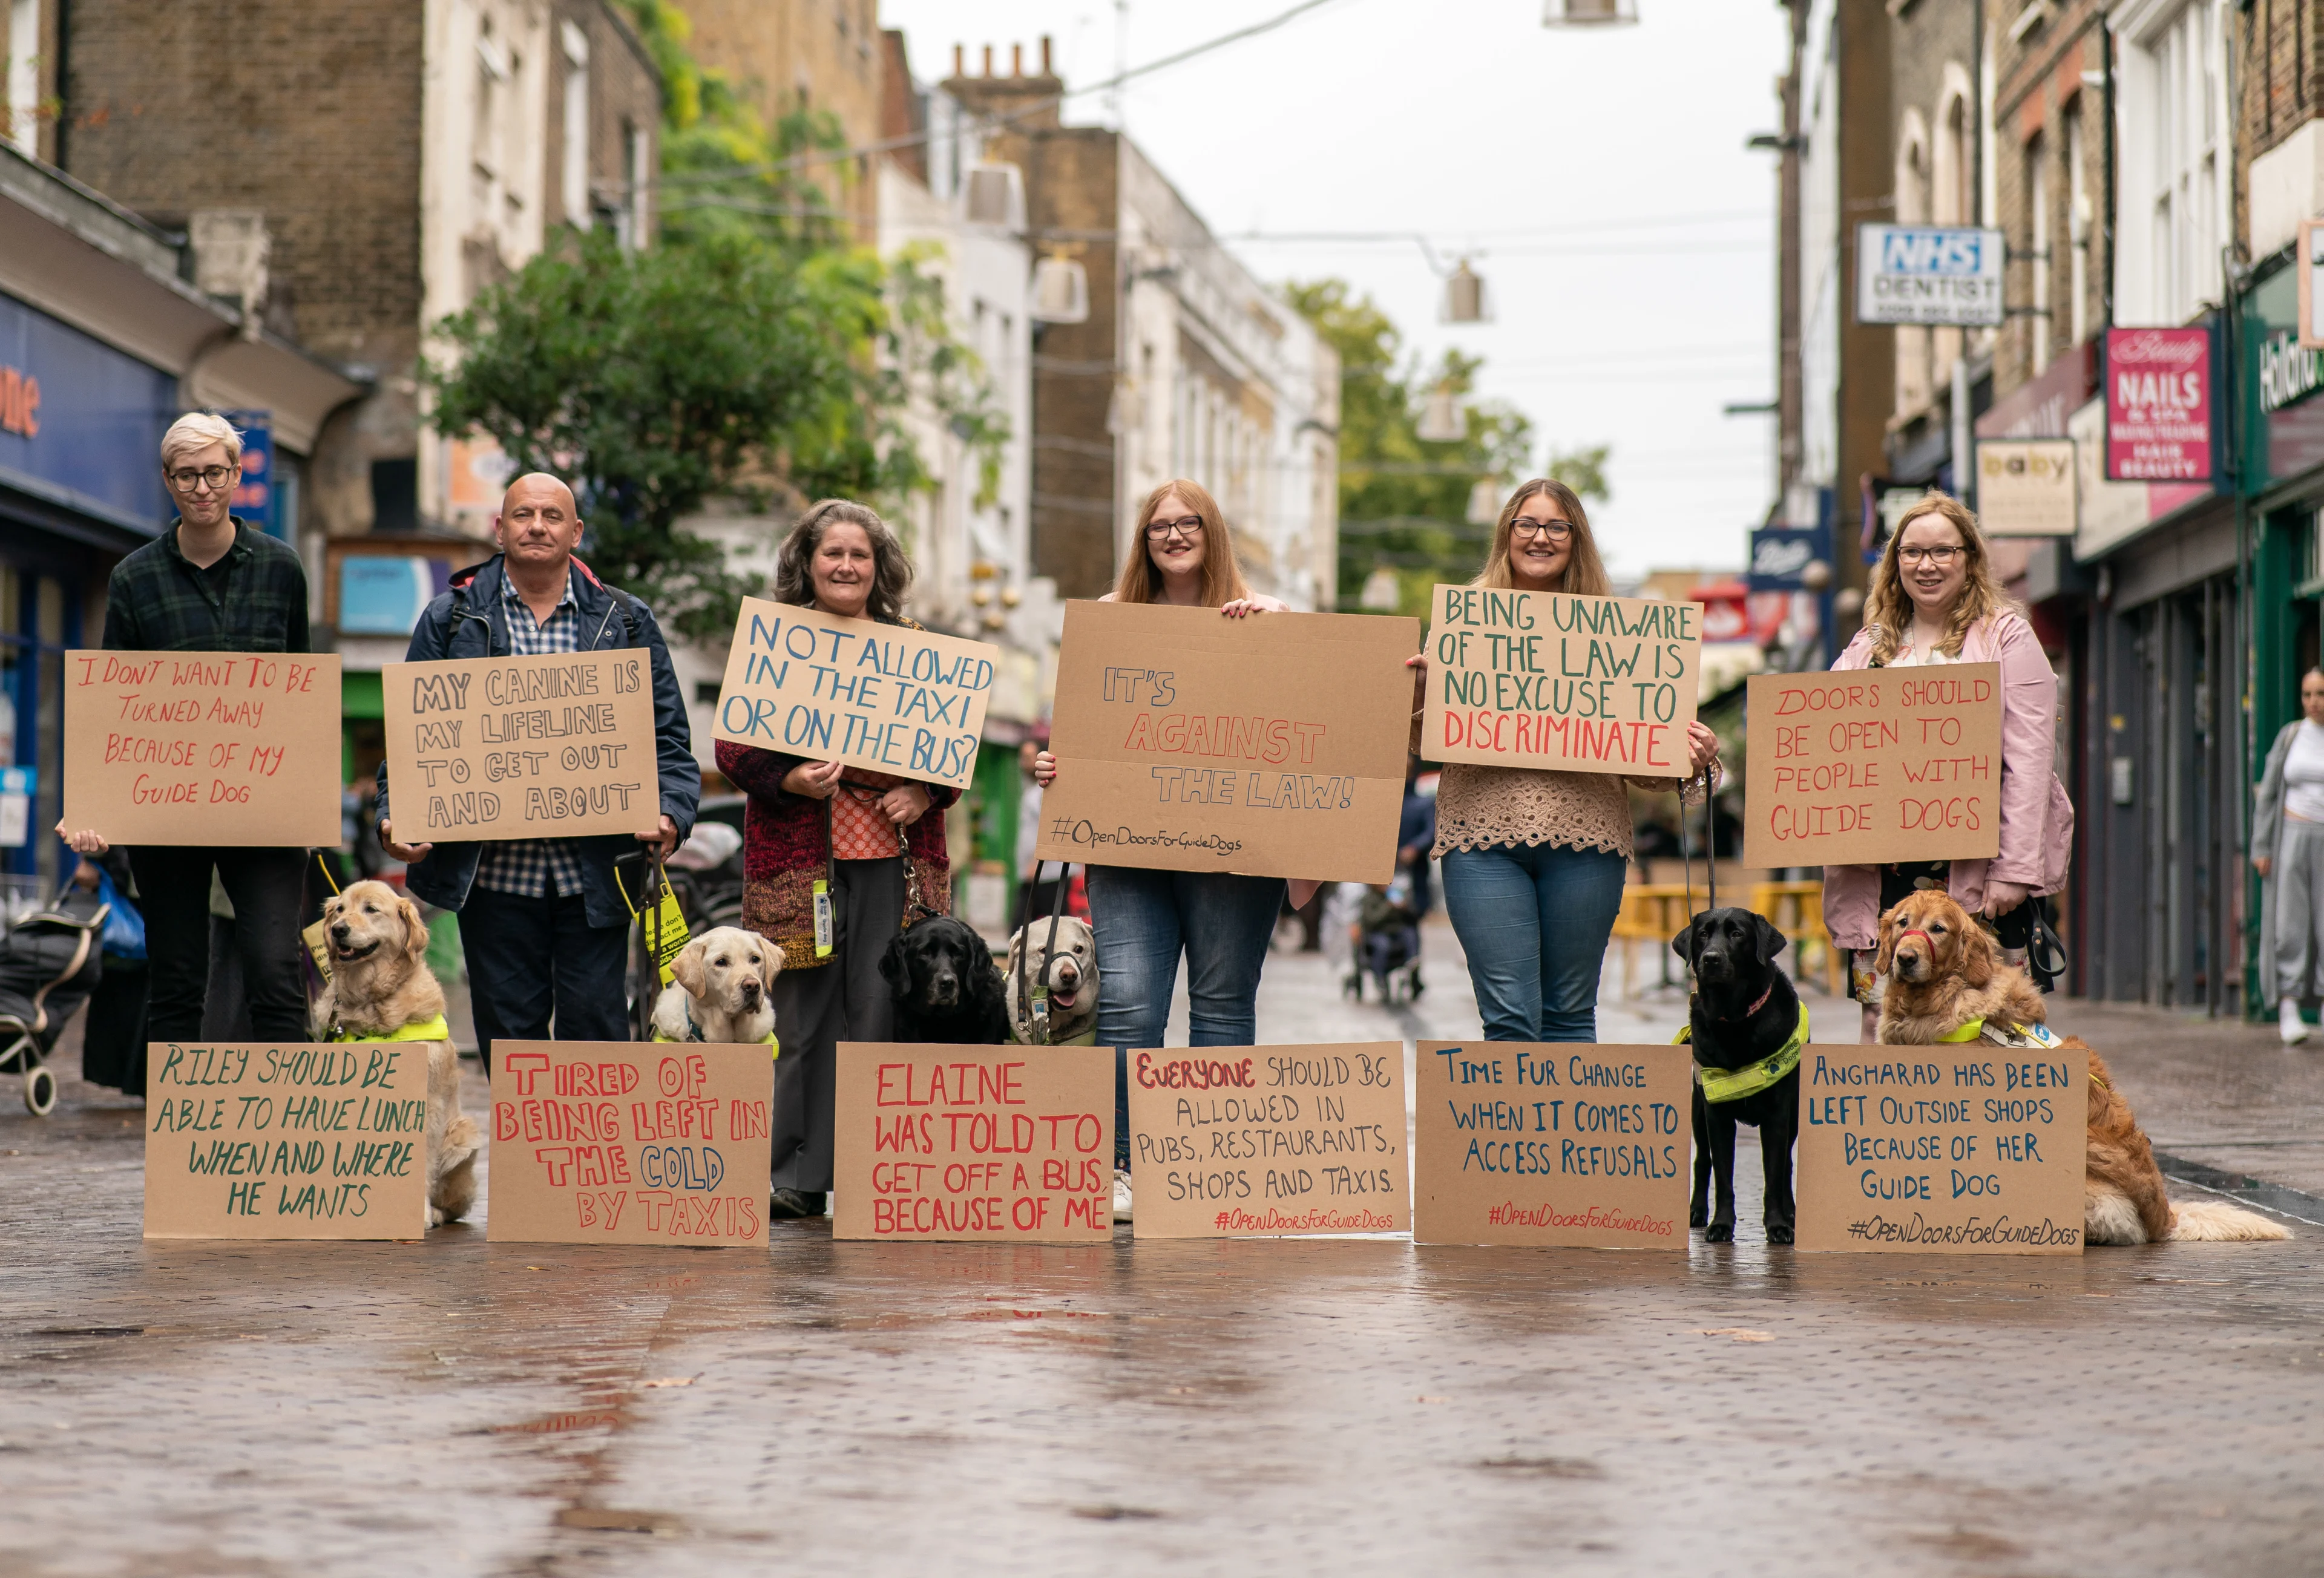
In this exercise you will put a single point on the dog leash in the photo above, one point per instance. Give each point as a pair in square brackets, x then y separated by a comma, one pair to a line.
[1709, 858]
[1034, 1010]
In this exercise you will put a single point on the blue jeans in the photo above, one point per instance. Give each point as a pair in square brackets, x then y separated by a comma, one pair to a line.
[1143, 921]
[1534, 922]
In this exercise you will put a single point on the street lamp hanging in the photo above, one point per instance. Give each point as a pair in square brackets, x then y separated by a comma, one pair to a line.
[1060, 291]
[1440, 419]
[1590, 13]
[1485, 502]
[1465, 298]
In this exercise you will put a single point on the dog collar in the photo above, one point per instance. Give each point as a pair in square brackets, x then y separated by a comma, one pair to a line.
[419, 1030]
[1725, 1085]
[1755, 1007]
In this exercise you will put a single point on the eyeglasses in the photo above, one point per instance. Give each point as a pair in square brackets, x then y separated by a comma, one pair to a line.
[1190, 527]
[210, 476]
[1939, 556]
[1556, 531]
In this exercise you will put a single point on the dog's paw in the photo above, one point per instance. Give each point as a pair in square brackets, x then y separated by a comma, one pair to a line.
[1719, 1233]
[435, 1217]
[1697, 1214]
[1779, 1232]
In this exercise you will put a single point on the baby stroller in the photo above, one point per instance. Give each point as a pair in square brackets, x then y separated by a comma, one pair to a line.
[1387, 937]
[49, 962]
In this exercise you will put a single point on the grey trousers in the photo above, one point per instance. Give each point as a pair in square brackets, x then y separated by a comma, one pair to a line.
[2299, 876]
[845, 998]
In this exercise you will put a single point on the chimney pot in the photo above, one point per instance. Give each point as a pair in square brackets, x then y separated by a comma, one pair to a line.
[959, 59]
[988, 59]
[1017, 60]
[1045, 68]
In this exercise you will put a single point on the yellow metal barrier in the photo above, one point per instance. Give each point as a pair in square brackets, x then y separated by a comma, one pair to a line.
[1655, 912]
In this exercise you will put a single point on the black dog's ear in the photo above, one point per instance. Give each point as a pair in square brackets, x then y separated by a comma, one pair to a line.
[891, 962]
[1771, 939]
[1683, 943]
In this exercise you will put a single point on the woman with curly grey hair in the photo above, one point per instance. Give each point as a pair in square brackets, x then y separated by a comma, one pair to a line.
[831, 856]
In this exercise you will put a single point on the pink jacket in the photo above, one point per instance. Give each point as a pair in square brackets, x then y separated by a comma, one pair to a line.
[2037, 819]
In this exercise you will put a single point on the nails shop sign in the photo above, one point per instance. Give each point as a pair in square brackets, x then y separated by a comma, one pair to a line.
[2158, 395]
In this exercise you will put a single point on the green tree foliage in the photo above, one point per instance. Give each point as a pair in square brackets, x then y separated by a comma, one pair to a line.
[1404, 501]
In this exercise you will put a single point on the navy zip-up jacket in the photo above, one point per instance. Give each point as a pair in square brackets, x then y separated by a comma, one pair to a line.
[467, 622]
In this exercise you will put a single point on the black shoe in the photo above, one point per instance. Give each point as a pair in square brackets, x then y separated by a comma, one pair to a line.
[787, 1204]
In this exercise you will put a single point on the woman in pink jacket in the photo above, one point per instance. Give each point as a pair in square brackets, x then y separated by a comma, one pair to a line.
[1933, 601]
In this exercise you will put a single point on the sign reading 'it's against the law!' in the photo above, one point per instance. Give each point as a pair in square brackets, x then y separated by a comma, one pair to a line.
[1548, 679]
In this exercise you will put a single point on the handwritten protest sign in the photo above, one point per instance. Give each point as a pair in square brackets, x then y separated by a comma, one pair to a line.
[1542, 679]
[1970, 1148]
[1517, 1143]
[203, 748]
[522, 748]
[1873, 764]
[1263, 1141]
[628, 1142]
[1272, 746]
[880, 696]
[983, 1142]
[286, 1141]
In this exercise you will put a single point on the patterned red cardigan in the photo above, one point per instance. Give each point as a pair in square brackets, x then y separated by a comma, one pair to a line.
[787, 850]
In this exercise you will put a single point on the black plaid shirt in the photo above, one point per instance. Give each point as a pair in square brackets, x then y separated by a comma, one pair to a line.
[253, 599]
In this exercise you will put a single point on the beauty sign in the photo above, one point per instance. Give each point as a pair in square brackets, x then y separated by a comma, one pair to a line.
[1966, 1149]
[522, 748]
[203, 748]
[1867, 766]
[1550, 680]
[2158, 410]
[885, 697]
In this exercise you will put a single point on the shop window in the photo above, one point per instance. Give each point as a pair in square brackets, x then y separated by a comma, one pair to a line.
[395, 494]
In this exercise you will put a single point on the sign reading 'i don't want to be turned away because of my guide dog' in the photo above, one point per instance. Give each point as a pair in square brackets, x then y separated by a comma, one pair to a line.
[554, 747]
[885, 697]
[286, 1141]
[1550, 680]
[1581, 1145]
[630, 1142]
[1962, 1149]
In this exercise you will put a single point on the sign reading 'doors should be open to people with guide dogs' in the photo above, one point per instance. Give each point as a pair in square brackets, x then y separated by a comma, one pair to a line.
[1269, 1142]
[203, 748]
[1543, 679]
[522, 748]
[628, 1142]
[286, 1141]
[979, 1142]
[1873, 764]
[1271, 746]
[1519, 1143]
[894, 700]
[1966, 1149]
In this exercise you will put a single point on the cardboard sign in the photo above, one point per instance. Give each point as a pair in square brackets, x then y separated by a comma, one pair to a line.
[628, 1142]
[898, 701]
[286, 1141]
[1971, 1148]
[1567, 1144]
[1269, 1142]
[1873, 764]
[1272, 746]
[1013, 1143]
[1542, 679]
[559, 747]
[203, 748]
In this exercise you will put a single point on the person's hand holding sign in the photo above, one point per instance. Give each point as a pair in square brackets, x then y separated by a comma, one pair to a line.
[1702, 746]
[409, 854]
[89, 841]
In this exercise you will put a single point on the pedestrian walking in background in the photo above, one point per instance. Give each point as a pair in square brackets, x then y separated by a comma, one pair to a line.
[2287, 843]
[211, 583]
[1535, 861]
[1146, 921]
[1933, 599]
[542, 921]
[832, 857]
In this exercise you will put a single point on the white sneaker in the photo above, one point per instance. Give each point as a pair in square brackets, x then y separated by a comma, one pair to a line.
[2294, 1028]
[1120, 1196]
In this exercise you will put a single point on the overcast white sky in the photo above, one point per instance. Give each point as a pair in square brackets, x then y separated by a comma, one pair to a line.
[1626, 234]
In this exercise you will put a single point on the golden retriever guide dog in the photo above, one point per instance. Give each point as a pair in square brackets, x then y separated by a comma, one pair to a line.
[720, 990]
[1945, 972]
[380, 989]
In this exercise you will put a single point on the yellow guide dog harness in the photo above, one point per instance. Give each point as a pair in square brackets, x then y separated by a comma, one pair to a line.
[1725, 1085]
[419, 1030]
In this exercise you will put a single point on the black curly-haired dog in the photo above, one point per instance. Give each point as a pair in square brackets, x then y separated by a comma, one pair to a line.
[1745, 1009]
[947, 990]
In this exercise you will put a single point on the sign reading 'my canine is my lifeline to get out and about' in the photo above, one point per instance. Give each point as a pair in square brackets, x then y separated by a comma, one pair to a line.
[885, 697]
[203, 748]
[1545, 679]
[1270, 745]
[1873, 764]
[522, 748]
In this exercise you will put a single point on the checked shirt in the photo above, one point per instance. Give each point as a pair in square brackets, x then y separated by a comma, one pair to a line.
[253, 599]
[535, 868]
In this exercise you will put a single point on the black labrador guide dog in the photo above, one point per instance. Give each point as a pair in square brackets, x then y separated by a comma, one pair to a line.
[947, 990]
[1745, 1012]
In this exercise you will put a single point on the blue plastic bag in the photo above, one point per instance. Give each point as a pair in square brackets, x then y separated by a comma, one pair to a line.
[125, 929]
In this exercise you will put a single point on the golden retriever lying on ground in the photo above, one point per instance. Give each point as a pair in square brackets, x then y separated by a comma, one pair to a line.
[719, 990]
[1945, 972]
[380, 989]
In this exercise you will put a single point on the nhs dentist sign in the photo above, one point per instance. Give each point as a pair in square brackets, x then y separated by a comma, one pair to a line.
[1928, 274]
